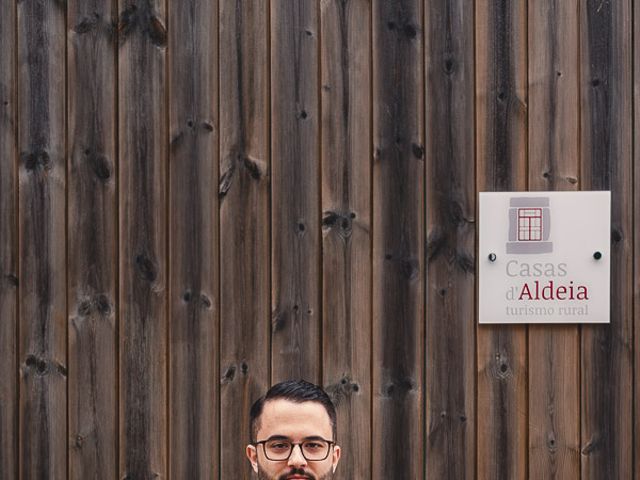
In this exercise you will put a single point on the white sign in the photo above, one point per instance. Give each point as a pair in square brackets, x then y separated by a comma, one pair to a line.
[544, 257]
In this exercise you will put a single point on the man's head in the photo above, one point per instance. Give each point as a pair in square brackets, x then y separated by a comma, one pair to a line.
[293, 433]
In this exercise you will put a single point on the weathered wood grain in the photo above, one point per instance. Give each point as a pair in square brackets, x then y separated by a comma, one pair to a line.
[450, 292]
[42, 251]
[346, 226]
[9, 393]
[554, 123]
[295, 230]
[143, 140]
[314, 119]
[606, 148]
[501, 108]
[92, 222]
[398, 240]
[501, 114]
[244, 225]
[193, 239]
[636, 250]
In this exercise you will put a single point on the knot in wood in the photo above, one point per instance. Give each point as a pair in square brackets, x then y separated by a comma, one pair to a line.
[436, 243]
[403, 29]
[86, 24]
[36, 160]
[400, 387]
[464, 261]
[157, 32]
[278, 321]
[205, 301]
[409, 267]
[616, 235]
[252, 167]
[144, 19]
[62, 369]
[341, 222]
[101, 167]
[449, 65]
[342, 390]
[228, 375]
[11, 279]
[455, 213]
[84, 308]
[37, 364]
[103, 305]
[572, 180]
[591, 446]
[186, 296]
[501, 367]
[225, 180]
[146, 268]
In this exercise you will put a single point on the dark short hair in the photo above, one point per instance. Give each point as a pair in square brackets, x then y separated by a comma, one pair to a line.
[297, 391]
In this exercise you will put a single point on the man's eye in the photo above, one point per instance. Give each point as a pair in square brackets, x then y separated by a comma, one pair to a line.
[279, 446]
[313, 445]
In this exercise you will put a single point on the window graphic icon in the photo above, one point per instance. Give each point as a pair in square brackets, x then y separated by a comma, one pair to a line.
[529, 225]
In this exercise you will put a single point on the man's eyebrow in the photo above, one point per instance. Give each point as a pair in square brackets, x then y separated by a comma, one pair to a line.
[284, 437]
[278, 437]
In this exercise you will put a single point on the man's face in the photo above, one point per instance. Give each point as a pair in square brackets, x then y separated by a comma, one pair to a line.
[296, 422]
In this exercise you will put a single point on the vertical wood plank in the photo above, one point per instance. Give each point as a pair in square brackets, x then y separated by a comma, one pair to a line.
[143, 293]
[636, 251]
[244, 224]
[346, 226]
[554, 122]
[93, 406]
[398, 240]
[295, 214]
[42, 263]
[607, 432]
[193, 239]
[450, 291]
[501, 113]
[8, 246]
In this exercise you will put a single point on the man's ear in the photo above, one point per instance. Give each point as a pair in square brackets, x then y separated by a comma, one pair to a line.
[336, 457]
[252, 455]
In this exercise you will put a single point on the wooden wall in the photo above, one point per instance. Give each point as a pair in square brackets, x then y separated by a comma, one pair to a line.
[199, 199]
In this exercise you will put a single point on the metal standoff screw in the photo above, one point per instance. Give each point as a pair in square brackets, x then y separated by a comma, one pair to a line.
[597, 255]
[492, 257]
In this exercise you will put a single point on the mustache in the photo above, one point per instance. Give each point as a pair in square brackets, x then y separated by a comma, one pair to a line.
[298, 471]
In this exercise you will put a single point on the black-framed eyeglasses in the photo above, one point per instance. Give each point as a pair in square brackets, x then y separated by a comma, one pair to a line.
[279, 449]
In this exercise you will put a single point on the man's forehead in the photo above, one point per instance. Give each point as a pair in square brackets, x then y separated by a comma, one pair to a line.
[284, 417]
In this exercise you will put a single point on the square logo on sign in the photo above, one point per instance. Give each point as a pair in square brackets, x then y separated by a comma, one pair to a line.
[529, 225]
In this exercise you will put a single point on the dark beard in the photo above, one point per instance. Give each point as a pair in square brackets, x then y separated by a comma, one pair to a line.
[262, 475]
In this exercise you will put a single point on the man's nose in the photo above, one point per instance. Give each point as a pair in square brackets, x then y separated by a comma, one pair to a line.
[296, 458]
